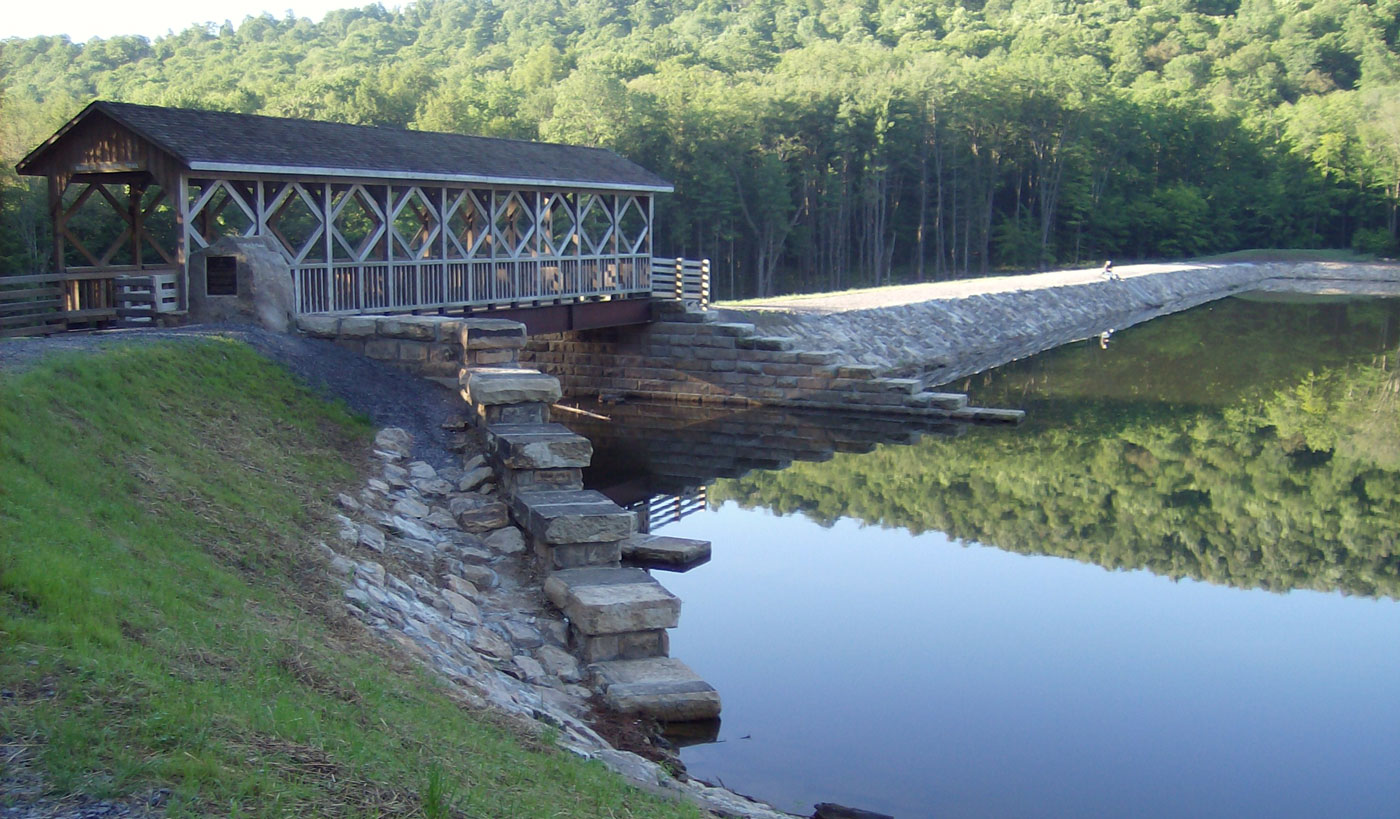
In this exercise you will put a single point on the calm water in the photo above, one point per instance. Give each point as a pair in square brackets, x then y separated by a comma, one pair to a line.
[1172, 592]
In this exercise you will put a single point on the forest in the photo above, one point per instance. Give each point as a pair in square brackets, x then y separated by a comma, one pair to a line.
[1279, 469]
[825, 144]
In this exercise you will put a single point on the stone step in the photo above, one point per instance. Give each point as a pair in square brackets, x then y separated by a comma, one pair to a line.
[989, 415]
[505, 385]
[939, 400]
[661, 687]
[572, 516]
[538, 446]
[900, 386]
[612, 601]
[769, 343]
[675, 554]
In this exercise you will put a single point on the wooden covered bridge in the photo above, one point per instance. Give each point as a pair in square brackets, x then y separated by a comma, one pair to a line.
[368, 220]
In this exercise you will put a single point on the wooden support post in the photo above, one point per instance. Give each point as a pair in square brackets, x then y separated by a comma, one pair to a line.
[134, 193]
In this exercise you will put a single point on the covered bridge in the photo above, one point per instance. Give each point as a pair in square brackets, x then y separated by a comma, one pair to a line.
[368, 219]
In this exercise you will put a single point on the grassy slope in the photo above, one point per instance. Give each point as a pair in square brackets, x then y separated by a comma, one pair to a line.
[164, 621]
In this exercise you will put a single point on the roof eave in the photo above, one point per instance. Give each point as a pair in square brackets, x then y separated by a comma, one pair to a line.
[368, 173]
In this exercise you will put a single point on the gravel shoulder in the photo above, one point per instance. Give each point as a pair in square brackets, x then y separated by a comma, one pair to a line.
[386, 396]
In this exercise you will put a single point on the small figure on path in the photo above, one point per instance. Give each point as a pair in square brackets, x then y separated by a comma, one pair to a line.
[1108, 272]
[1104, 337]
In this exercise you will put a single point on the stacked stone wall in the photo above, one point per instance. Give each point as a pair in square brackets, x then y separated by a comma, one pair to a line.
[430, 346]
[692, 357]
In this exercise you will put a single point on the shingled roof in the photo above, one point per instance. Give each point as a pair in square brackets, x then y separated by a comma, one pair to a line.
[221, 142]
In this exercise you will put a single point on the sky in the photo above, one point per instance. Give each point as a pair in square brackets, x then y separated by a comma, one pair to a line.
[82, 20]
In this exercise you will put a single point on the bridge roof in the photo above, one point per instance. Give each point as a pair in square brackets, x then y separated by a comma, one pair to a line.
[220, 142]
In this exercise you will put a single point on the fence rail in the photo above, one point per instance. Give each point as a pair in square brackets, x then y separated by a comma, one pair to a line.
[663, 510]
[682, 280]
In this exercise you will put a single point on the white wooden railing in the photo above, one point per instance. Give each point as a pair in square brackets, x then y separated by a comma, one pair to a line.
[682, 280]
[401, 286]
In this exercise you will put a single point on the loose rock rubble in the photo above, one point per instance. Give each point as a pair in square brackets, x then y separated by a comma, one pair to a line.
[430, 560]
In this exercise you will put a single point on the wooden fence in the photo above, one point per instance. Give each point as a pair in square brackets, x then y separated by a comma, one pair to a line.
[55, 302]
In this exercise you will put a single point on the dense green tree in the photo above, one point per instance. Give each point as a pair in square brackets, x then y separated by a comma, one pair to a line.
[830, 144]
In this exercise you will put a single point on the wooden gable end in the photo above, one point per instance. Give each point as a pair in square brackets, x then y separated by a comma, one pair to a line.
[96, 146]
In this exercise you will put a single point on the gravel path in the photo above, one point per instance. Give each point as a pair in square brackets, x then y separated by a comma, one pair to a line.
[388, 397]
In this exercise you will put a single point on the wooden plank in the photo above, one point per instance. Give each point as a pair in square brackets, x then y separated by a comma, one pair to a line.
[33, 292]
[27, 319]
[31, 307]
[34, 330]
[38, 278]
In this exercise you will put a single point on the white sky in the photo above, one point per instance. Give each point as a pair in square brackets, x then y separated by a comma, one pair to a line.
[84, 19]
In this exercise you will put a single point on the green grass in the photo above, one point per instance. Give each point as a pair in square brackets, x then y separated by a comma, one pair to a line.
[165, 621]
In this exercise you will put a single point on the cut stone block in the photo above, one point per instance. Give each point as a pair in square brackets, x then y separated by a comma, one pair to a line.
[578, 555]
[632, 645]
[538, 446]
[661, 687]
[319, 326]
[613, 601]
[508, 386]
[572, 516]
[903, 386]
[533, 480]
[947, 400]
[661, 552]
[535, 412]
[770, 343]
[492, 334]
[987, 415]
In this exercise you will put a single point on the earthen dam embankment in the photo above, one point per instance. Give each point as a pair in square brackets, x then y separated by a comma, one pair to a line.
[943, 331]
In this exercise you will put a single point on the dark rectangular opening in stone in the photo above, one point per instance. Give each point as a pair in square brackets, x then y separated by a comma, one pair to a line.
[221, 276]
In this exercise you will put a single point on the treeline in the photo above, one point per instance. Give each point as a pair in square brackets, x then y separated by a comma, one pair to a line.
[822, 144]
[1288, 480]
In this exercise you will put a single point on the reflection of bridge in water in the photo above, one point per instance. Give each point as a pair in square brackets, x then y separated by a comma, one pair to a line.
[657, 459]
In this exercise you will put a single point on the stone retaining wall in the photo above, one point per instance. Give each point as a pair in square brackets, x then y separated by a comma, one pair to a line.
[691, 356]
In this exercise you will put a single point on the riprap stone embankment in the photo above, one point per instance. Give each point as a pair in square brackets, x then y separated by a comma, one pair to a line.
[943, 331]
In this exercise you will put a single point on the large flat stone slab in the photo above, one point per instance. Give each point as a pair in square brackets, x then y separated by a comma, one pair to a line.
[507, 385]
[613, 601]
[661, 687]
[538, 446]
[572, 516]
[676, 554]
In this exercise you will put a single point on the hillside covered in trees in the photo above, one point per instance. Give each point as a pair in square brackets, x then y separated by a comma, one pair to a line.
[831, 143]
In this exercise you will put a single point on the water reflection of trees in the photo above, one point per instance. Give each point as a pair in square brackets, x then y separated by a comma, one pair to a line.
[1297, 489]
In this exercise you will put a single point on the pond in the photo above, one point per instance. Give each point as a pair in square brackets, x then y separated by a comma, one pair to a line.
[1172, 591]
